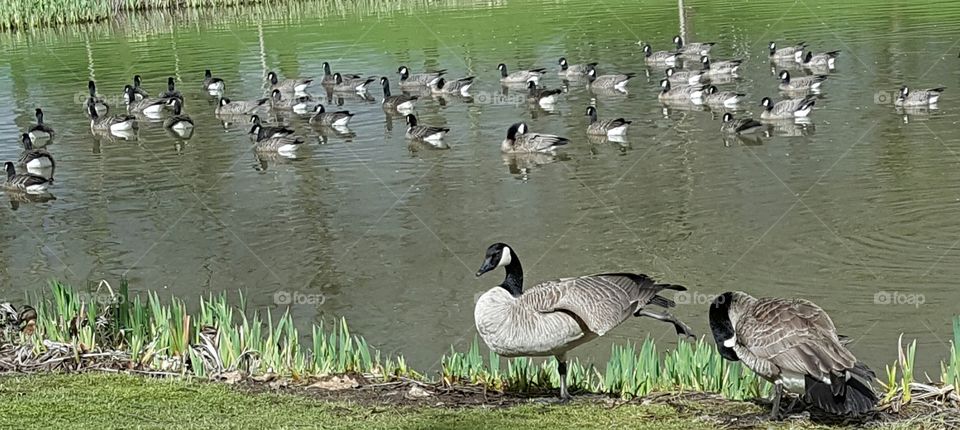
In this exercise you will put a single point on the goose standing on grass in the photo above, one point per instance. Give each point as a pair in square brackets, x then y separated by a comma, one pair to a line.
[520, 140]
[460, 86]
[713, 97]
[787, 109]
[683, 77]
[241, 107]
[788, 53]
[110, 124]
[212, 84]
[541, 96]
[574, 71]
[329, 79]
[149, 107]
[719, 68]
[692, 49]
[739, 126]
[556, 316]
[794, 345]
[268, 131]
[401, 102]
[284, 145]
[608, 82]
[822, 60]
[288, 85]
[36, 161]
[97, 102]
[693, 93]
[605, 127]
[424, 132]
[345, 84]
[40, 131]
[520, 76]
[138, 91]
[927, 97]
[803, 83]
[32, 184]
[659, 58]
[171, 91]
[330, 119]
[179, 123]
[418, 80]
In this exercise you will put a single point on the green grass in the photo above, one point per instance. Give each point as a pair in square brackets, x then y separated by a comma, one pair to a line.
[109, 401]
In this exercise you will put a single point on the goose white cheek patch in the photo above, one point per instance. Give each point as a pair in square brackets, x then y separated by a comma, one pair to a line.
[729, 343]
[505, 258]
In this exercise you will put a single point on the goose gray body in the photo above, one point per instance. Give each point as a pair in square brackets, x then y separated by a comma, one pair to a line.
[821, 60]
[418, 80]
[669, 93]
[739, 125]
[614, 81]
[605, 127]
[794, 344]
[350, 84]
[713, 97]
[241, 107]
[40, 130]
[541, 96]
[211, 83]
[329, 79]
[279, 144]
[719, 68]
[138, 91]
[180, 123]
[298, 85]
[799, 84]
[519, 76]
[330, 119]
[660, 58]
[556, 316]
[109, 123]
[683, 77]
[460, 86]
[399, 102]
[27, 182]
[692, 49]
[925, 97]
[574, 71]
[787, 53]
[787, 109]
[148, 106]
[35, 160]
[521, 140]
[171, 91]
[263, 132]
[416, 131]
[289, 102]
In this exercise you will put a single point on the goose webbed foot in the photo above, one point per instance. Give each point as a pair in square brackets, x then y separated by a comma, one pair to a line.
[775, 409]
[682, 329]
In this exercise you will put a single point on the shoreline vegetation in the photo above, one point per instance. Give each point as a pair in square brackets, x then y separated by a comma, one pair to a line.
[112, 330]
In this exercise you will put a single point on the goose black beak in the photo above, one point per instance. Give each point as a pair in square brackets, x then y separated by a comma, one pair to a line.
[486, 267]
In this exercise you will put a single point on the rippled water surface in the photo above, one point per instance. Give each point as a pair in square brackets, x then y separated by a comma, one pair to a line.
[856, 209]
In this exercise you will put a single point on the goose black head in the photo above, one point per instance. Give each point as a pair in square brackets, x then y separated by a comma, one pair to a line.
[503, 69]
[207, 74]
[784, 76]
[515, 130]
[904, 91]
[705, 60]
[727, 117]
[722, 327]
[498, 255]
[773, 48]
[404, 72]
[176, 104]
[276, 95]
[337, 78]
[224, 101]
[137, 81]
[647, 50]
[27, 143]
[591, 73]
[326, 68]
[531, 85]
[384, 81]
[128, 92]
[254, 119]
[272, 77]
[411, 120]
[439, 83]
[563, 63]
[678, 40]
[767, 103]
[807, 58]
[665, 85]
[592, 113]
[11, 171]
[670, 71]
[92, 87]
[319, 108]
[256, 130]
[39, 114]
[711, 89]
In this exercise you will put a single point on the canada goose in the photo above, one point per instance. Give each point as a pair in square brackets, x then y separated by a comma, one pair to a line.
[520, 140]
[40, 131]
[112, 124]
[927, 97]
[285, 145]
[419, 79]
[171, 91]
[424, 132]
[710, 68]
[330, 119]
[400, 103]
[692, 49]
[138, 91]
[683, 77]
[659, 57]
[574, 70]
[180, 123]
[520, 76]
[35, 160]
[605, 127]
[794, 52]
[268, 131]
[328, 78]
[680, 94]
[553, 317]
[98, 103]
[296, 104]
[794, 345]
[541, 96]
[33, 184]
[739, 126]
[822, 60]
[211, 83]
[803, 83]
[787, 109]
[617, 81]
[460, 86]
[150, 107]
[716, 98]
[288, 85]
[342, 83]
[241, 107]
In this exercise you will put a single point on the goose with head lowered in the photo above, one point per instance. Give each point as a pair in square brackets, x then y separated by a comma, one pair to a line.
[553, 317]
[794, 345]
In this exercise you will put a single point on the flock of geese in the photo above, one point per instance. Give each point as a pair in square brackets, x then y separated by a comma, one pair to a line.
[790, 342]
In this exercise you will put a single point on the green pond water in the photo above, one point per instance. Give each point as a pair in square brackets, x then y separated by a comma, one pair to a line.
[856, 211]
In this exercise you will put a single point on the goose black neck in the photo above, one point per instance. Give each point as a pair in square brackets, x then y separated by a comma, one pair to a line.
[326, 69]
[721, 326]
[593, 116]
[386, 89]
[513, 282]
[11, 172]
[503, 72]
[39, 117]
